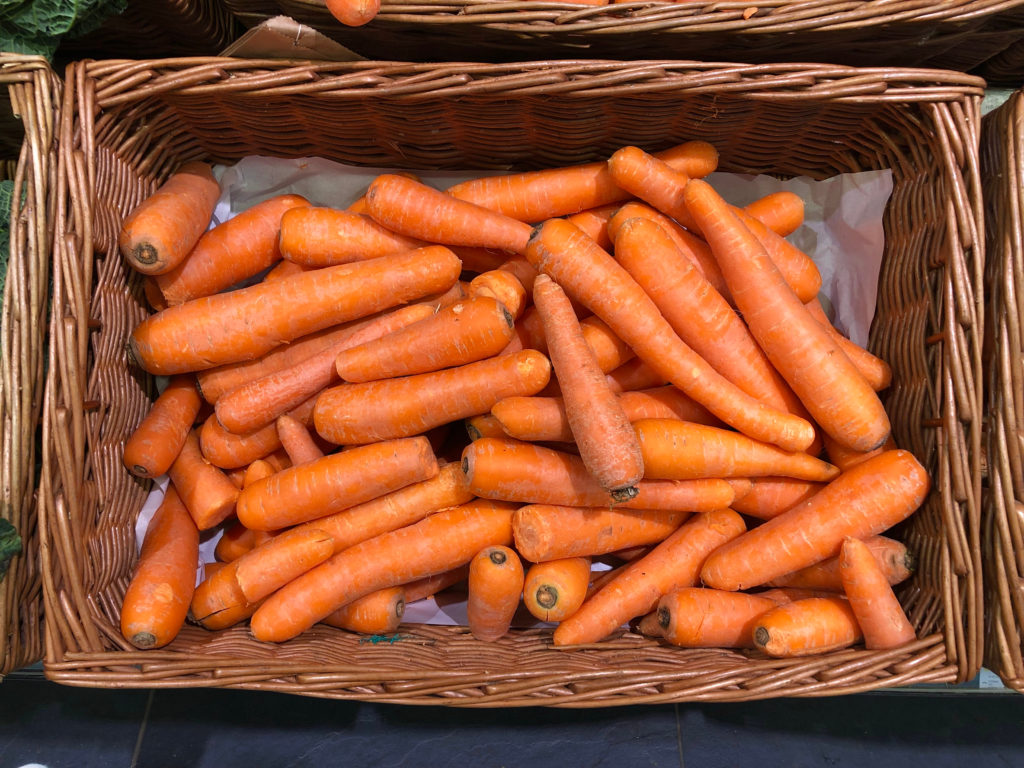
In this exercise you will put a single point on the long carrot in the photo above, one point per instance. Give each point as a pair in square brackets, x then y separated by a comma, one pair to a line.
[604, 287]
[271, 565]
[502, 286]
[161, 231]
[296, 440]
[771, 496]
[351, 414]
[204, 489]
[874, 369]
[495, 589]
[244, 324]
[838, 398]
[335, 482]
[156, 602]
[867, 586]
[554, 590]
[377, 613]
[439, 543]
[709, 618]
[805, 627]
[152, 447]
[673, 564]
[868, 499]
[892, 558]
[322, 237]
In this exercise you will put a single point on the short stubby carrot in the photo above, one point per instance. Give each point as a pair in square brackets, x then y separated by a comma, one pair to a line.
[867, 587]
[782, 212]
[555, 589]
[244, 324]
[693, 617]
[495, 589]
[502, 286]
[274, 563]
[161, 231]
[156, 602]
[892, 558]
[864, 501]
[321, 237]
[769, 497]
[440, 542]
[205, 490]
[152, 447]
[335, 482]
[377, 613]
[806, 627]
[351, 414]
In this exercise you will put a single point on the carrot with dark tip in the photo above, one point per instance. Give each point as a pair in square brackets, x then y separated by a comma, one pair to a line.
[709, 618]
[204, 489]
[485, 425]
[868, 588]
[807, 627]
[296, 440]
[495, 589]
[554, 590]
[892, 559]
[152, 447]
[377, 613]
[323, 237]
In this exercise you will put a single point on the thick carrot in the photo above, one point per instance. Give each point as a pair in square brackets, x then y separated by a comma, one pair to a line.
[868, 588]
[554, 590]
[782, 212]
[428, 586]
[868, 499]
[414, 209]
[218, 602]
[874, 369]
[244, 324]
[227, 450]
[161, 231]
[595, 279]
[296, 440]
[679, 450]
[274, 563]
[204, 489]
[502, 286]
[377, 613]
[352, 414]
[438, 543]
[709, 618]
[322, 237]
[335, 482]
[239, 248]
[806, 627]
[605, 438]
[353, 13]
[594, 222]
[156, 602]
[892, 558]
[673, 564]
[771, 496]
[152, 447]
[495, 589]
[845, 459]
[633, 375]
[236, 540]
[485, 425]
[838, 398]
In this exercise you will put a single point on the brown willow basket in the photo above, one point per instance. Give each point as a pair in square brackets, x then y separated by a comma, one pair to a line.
[252, 13]
[32, 94]
[128, 124]
[950, 34]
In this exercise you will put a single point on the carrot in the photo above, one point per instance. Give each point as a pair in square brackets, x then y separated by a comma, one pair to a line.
[538, 195]
[428, 586]
[352, 414]
[665, 403]
[438, 543]
[152, 447]
[806, 627]
[353, 13]
[272, 564]
[486, 425]
[874, 369]
[258, 470]
[673, 564]
[869, 590]
[605, 288]
[609, 350]
[204, 489]
[377, 613]
[335, 482]
[414, 209]
[648, 626]
[771, 496]
[523, 271]
[782, 212]
[844, 458]
[460, 334]
[547, 532]
[892, 558]
[479, 260]
[323, 237]
[236, 540]
[234, 250]
[218, 602]
[502, 286]
[554, 590]
[296, 440]
[872, 496]
[678, 450]
[838, 398]
[784, 595]
[594, 223]
[250, 322]
[158, 595]
[151, 291]
[633, 375]
[495, 588]
[159, 232]
[605, 438]
[227, 450]
[511, 470]
[286, 268]
[709, 618]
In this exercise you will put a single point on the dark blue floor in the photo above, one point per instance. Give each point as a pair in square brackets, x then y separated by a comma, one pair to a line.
[60, 727]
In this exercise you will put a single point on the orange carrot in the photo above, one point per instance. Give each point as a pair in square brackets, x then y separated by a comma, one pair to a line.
[296, 440]
[285, 269]
[485, 425]
[782, 212]
[218, 602]
[839, 399]
[352, 414]
[771, 496]
[873, 497]
[554, 590]
[594, 223]
[152, 447]
[665, 403]
[158, 596]
[879, 613]
[806, 627]
[609, 350]
[335, 482]
[844, 458]
[502, 286]
[237, 540]
[784, 595]
[874, 369]
[204, 489]
[438, 543]
[161, 231]
[353, 13]
[377, 613]
[252, 321]
[428, 586]
[479, 260]
[523, 270]
[709, 618]
[322, 237]
[673, 564]
[495, 588]
[274, 563]
[227, 450]
[151, 291]
[892, 558]
[633, 375]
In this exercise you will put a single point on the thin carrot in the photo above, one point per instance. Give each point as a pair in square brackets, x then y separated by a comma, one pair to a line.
[874, 369]
[771, 496]
[152, 447]
[323, 237]
[204, 489]
[335, 482]
[236, 540]
[867, 587]
[485, 425]
[844, 458]
[377, 613]
[892, 558]
[252, 321]
[873, 497]
[272, 564]
[353, 13]
[633, 375]
[838, 398]
[428, 586]
[805, 627]
[438, 543]
[673, 564]
[554, 590]
[782, 212]
[218, 602]
[502, 286]
[495, 589]
[709, 618]
[161, 231]
[296, 440]
[156, 602]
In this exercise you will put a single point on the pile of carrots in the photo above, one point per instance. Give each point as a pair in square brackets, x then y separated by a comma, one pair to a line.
[599, 392]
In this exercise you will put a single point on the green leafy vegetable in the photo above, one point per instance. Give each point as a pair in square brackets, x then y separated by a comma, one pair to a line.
[37, 27]
[10, 545]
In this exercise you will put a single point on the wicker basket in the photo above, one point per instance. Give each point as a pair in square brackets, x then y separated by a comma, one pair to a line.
[126, 125]
[251, 14]
[32, 91]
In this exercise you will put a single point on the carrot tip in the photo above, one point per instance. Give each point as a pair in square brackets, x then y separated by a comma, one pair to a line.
[761, 636]
[664, 617]
[547, 597]
[144, 253]
[625, 494]
[139, 470]
[143, 639]
[474, 435]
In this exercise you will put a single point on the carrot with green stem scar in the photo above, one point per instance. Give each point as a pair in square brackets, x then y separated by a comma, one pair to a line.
[554, 590]
[807, 627]
[495, 589]
[204, 489]
[782, 212]
[709, 618]
[892, 559]
[155, 443]
[867, 587]
[322, 237]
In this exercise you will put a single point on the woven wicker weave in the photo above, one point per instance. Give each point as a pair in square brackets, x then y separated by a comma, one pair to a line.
[32, 89]
[252, 13]
[127, 125]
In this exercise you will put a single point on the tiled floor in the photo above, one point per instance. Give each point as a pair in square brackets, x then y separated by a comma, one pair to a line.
[59, 727]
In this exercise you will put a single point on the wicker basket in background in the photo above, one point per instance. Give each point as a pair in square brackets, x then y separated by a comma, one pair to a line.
[127, 125]
[29, 113]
